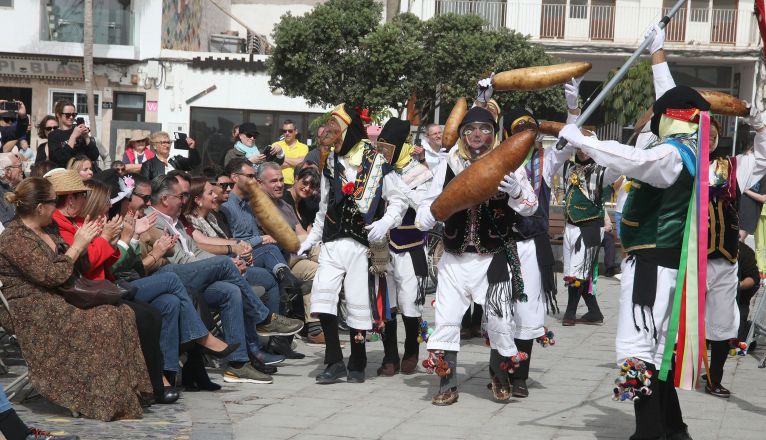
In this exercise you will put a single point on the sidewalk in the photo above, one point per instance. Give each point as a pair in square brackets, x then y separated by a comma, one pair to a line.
[570, 398]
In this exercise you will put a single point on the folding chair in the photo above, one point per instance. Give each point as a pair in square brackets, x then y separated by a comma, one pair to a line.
[18, 388]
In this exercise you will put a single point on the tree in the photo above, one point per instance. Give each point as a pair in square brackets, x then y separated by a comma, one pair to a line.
[630, 97]
[87, 65]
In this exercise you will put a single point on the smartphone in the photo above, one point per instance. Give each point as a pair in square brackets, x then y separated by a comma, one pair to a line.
[180, 142]
[79, 121]
[9, 106]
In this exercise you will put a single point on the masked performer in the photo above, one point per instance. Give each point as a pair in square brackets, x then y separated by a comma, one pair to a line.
[480, 262]
[352, 214]
[408, 269]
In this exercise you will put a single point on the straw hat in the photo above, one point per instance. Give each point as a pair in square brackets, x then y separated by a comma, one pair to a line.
[65, 181]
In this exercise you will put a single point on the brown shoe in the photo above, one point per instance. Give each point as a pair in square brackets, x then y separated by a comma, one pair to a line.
[465, 334]
[410, 364]
[567, 322]
[501, 392]
[445, 398]
[388, 369]
[317, 339]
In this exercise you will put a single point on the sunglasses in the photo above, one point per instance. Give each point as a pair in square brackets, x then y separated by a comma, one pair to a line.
[51, 128]
[182, 196]
[144, 197]
[226, 186]
[287, 130]
[250, 135]
[48, 201]
[249, 176]
[163, 142]
[69, 115]
[9, 120]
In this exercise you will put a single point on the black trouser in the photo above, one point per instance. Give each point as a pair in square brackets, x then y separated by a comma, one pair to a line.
[149, 326]
[525, 345]
[719, 351]
[659, 414]
[332, 351]
[610, 251]
[472, 320]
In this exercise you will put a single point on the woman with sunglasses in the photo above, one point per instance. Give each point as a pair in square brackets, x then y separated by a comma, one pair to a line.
[70, 139]
[303, 198]
[44, 128]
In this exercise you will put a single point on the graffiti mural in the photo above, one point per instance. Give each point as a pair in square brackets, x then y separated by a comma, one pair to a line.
[181, 21]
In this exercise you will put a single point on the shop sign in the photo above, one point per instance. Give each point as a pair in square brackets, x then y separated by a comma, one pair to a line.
[50, 69]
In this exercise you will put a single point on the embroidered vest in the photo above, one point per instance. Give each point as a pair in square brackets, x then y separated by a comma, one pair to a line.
[723, 217]
[407, 236]
[584, 193]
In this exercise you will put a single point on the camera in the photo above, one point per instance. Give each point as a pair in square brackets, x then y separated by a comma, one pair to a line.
[10, 106]
[180, 142]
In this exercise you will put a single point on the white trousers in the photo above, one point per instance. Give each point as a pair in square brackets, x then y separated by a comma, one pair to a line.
[343, 263]
[529, 316]
[721, 311]
[574, 260]
[403, 285]
[462, 280]
[640, 343]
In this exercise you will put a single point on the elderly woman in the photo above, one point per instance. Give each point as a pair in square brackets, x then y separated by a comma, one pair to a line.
[86, 360]
[162, 163]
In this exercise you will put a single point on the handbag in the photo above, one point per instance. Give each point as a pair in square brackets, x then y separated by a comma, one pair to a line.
[84, 293]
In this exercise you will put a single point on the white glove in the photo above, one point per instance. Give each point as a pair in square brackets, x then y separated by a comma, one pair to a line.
[659, 38]
[425, 220]
[572, 92]
[755, 119]
[573, 135]
[377, 230]
[484, 89]
[305, 247]
[510, 186]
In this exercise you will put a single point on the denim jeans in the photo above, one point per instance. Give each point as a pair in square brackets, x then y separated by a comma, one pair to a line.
[268, 256]
[222, 286]
[5, 404]
[180, 321]
[262, 277]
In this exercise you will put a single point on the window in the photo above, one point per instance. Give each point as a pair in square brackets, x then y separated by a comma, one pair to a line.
[63, 20]
[578, 9]
[129, 107]
[6, 3]
[78, 97]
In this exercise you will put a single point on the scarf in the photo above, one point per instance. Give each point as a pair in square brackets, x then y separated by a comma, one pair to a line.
[248, 151]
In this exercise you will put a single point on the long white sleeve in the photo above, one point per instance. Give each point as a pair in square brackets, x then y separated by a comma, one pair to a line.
[526, 203]
[393, 193]
[759, 153]
[663, 80]
[437, 184]
[318, 228]
[659, 166]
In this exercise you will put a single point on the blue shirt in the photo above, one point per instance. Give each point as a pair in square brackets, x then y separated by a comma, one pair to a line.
[241, 220]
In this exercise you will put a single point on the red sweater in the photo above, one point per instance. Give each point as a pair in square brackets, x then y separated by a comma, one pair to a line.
[101, 254]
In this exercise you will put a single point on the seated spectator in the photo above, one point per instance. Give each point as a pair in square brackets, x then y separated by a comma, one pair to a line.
[224, 185]
[136, 153]
[88, 361]
[47, 125]
[219, 280]
[70, 140]
[119, 167]
[245, 148]
[162, 163]
[82, 165]
[41, 168]
[303, 199]
[13, 124]
[295, 151]
[13, 428]
[10, 176]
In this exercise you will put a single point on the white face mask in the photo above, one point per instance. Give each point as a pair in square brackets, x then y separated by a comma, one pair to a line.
[670, 126]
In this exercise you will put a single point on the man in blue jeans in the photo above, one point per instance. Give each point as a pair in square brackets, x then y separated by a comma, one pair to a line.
[219, 279]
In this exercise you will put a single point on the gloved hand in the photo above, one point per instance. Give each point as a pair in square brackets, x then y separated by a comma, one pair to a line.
[484, 89]
[755, 119]
[377, 230]
[510, 185]
[572, 92]
[305, 247]
[425, 221]
[659, 38]
[573, 135]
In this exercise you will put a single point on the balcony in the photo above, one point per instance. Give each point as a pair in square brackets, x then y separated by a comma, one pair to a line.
[63, 21]
[594, 23]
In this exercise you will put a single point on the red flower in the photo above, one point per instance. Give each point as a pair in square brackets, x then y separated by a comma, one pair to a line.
[348, 188]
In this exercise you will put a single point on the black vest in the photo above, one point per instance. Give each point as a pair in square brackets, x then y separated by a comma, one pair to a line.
[343, 219]
[723, 230]
[490, 232]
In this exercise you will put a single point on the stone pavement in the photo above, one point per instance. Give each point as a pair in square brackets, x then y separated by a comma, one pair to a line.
[570, 398]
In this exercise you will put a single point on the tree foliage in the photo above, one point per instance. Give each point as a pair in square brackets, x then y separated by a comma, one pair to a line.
[631, 96]
[339, 52]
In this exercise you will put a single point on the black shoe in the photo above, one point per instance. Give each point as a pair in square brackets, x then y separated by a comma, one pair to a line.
[591, 318]
[332, 373]
[287, 280]
[282, 345]
[355, 377]
[717, 390]
[519, 388]
[223, 354]
[194, 377]
[260, 366]
[168, 395]
[679, 435]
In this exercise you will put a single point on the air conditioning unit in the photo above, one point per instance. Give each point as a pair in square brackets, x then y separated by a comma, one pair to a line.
[227, 44]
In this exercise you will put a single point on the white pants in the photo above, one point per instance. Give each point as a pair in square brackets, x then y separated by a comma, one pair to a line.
[574, 261]
[403, 285]
[529, 316]
[640, 343]
[462, 280]
[721, 311]
[343, 263]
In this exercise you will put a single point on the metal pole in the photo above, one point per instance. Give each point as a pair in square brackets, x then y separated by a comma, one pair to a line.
[620, 73]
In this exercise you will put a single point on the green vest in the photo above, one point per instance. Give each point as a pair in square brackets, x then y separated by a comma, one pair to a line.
[579, 208]
[655, 217]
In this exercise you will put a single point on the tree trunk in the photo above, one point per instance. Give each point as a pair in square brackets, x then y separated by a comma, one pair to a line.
[392, 9]
[87, 66]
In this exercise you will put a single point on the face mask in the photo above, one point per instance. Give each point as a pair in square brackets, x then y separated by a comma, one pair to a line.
[670, 126]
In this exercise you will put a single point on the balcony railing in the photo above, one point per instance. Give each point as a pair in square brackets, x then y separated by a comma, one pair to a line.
[623, 24]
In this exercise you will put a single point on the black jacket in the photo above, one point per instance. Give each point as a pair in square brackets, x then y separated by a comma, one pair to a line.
[61, 152]
[155, 167]
[16, 131]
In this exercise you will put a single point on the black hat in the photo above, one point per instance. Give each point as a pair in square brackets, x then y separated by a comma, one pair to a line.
[354, 133]
[679, 97]
[514, 115]
[395, 132]
[480, 115]
[248, 128]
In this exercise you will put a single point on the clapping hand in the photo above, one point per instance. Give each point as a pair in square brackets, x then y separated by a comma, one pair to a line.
[86, 233]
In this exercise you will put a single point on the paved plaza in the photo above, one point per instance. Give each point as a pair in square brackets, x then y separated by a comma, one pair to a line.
[570, 398]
